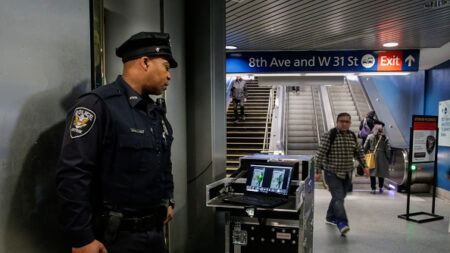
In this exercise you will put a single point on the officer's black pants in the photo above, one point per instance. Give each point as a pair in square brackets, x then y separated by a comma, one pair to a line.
[138, 242]
[235, 104]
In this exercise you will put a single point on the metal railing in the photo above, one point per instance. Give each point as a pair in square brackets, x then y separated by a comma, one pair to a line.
[228, 86]
[327, 107]
[322, 110]
[278, 114]
[268, 117]
[315, 113]
[285, 125]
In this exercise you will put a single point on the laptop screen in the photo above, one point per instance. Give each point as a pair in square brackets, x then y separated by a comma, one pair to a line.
[269, 179]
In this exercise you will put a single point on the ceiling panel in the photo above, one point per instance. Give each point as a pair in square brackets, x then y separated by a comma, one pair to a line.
[334, 25]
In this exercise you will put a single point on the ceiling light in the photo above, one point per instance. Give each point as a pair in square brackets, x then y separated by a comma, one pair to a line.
[434, 4]
[231, 47]
[390, 44]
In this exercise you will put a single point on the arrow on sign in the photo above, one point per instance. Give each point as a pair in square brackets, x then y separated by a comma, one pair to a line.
[409, 60]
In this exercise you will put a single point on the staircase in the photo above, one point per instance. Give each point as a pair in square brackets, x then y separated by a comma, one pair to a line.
[247, 137]
[301, 122]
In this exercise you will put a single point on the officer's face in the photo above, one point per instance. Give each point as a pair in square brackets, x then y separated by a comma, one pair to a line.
[157, 75]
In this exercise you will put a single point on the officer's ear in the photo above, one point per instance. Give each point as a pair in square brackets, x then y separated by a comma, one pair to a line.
[144, 63]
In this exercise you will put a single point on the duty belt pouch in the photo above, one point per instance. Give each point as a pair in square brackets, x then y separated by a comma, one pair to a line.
[112, 225]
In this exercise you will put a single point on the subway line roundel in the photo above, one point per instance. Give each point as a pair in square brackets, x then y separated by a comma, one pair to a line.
[82, 122]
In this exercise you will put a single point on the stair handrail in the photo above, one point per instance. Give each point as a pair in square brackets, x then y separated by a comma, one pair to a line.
[268, 115]
[228, 83]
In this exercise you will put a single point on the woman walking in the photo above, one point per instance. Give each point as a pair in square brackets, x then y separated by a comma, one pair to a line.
[378, 143]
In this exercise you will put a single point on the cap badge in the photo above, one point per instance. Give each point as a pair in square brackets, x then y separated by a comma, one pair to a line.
[157, 49]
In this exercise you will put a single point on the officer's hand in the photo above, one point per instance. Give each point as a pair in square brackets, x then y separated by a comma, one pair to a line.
[366, 172]
[93, 247]
[169, 215]
[231, 99]
[245, 100]
[317, 177]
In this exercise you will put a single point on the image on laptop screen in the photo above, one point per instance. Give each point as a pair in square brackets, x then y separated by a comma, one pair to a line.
[257, 178]
[269, 179]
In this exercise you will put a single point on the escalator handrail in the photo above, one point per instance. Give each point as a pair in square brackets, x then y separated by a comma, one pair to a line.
[276, 143]
[285, 130]
[315, 114]
[405, 153]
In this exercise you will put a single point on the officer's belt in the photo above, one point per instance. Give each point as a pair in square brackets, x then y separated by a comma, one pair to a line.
[140, 224]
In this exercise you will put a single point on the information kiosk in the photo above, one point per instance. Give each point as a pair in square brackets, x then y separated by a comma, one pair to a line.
[268, 204]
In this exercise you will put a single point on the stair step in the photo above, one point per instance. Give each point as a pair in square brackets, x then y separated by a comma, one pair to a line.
[254, 133]
[245, 149]
[301, 139]
[247, 138]
[297, 146]
[245, 143]
[249, 122]
[247, 127]
[248, 117]
[257, 100]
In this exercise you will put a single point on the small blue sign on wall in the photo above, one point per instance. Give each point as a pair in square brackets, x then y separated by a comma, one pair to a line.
[322, 61]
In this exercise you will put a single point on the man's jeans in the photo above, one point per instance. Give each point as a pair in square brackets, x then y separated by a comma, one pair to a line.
[338, 189]
[235, 104]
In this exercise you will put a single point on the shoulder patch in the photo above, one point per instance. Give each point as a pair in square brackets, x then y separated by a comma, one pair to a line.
[82, 122]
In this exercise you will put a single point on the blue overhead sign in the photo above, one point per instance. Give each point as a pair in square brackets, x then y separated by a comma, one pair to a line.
[322, 61]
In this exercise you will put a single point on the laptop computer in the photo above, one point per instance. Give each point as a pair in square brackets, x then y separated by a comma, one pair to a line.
[266, 186]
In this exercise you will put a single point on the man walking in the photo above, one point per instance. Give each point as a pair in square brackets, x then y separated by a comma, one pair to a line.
[239, 94]
[335, 156]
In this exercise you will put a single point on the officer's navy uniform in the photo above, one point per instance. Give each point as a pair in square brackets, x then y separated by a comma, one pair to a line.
[116, 157]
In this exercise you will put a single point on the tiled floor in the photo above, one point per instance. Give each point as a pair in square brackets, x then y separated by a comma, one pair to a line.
[374, 226]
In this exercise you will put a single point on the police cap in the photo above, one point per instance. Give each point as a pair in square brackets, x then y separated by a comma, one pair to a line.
[147, 44]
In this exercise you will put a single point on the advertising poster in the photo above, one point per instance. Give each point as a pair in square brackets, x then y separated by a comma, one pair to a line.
[424, 138]
[444, 123]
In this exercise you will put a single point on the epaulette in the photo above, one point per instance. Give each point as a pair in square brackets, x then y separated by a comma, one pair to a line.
[106, 91]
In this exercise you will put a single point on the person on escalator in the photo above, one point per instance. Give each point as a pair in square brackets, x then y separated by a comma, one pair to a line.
[239, 94]
[378, 143]
[366, 125]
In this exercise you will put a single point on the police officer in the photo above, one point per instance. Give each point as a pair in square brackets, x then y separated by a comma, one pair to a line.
[114, 177]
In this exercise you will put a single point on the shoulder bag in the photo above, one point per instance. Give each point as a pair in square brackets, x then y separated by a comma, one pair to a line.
[370, 157]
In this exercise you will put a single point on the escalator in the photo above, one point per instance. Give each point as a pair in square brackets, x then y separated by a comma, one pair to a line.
[302, 135]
